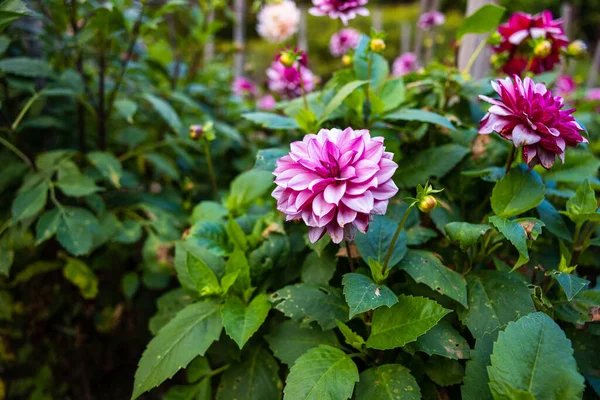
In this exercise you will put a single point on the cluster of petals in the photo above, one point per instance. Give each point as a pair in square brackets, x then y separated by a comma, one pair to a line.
[528, 114]
[278, 21]
[345, 10]
[519, 30]
[430, 20]
[335, 181]
[243, 87]
[288, 81]
[343, 41]
[404, 64]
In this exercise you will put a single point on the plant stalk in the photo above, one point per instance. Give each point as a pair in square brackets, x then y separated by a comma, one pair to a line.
[211, 170]
[395, 238]
[511, 158]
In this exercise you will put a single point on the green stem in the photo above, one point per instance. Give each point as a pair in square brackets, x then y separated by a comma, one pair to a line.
[24, 110]
[302, 87]
[18, 152]
[395, 238]
[350, 260]
[219, 370]
[144, 149]
[511, 158]
[474, 56]
[211, 170]
[5, 226]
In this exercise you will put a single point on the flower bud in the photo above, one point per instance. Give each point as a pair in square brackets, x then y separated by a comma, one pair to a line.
[427, 204]
[377, 45]
[286, 60]
[495, 39]
[577, 48]
[196, 132]
[542, 49]
[346, 60]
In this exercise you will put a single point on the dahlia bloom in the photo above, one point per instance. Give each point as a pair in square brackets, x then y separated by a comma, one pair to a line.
[564, 86]
[267, 102]
[243, 87]
[344, 41]
[277, 22]
[405, 64]
[345, 10]
[287, 80]
[517, 34]
[335, 181]
[528, 114]
[430, 20]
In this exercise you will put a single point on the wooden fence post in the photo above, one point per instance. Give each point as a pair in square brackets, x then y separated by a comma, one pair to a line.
[239, 36]
[405, 34]
[435, 6]
[377, 18]
[302, 30]
[209, 46]
[594, 68]
[470, 42]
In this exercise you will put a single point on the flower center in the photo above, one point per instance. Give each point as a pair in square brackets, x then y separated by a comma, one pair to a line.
[332, 169]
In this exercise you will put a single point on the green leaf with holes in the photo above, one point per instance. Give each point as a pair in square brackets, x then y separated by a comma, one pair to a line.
[77, 229]
[362, 294]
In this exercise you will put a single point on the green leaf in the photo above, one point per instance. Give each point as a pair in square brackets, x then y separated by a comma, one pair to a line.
[404, 322]
[167, 112]
[553, 221]
[421, 116]
[24, 66]
[162, 165]
[203, 277]
[236, 234]
[108, 165]
[425, 267]
[266, 159]
[126, 108]
[582, 206]
[130, 284]
[211, 235]
[443, 340]
[241, 322]
[78, 273]
[393, 93]
[580, 309]
[533, 355]
[76, 230]
[378, 239]
[495, 299]
[444, 372]
[305, 303]
[290, 340]
[77, 185]
[186, 336]
[271, 121]
[352, 338]
[47, 225]
[256, 377]
[247, 187]
[516, 234]
[307, 120]
[571, 284]
[208, 211]
[379, 66]
[318, 270]
[582, 164]
[434, 162]
[168, 305]
[199, 391]
[11, 10]
[8, 255]
[476, 379]
[323, 373]
[238, 264]
[362, 294]
[197, 369]
[484, 20]
[465, 234]
[519, 191]
[30, 201]
[339, 98]
[387, 382]
[6, 307]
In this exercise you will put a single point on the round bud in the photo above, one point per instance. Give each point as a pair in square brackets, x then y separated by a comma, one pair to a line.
[377, 45]
[495, 39]
[346, 60]
[286, 60]
[427, 204]
[577, 48]
[542, 49]
[196, 132]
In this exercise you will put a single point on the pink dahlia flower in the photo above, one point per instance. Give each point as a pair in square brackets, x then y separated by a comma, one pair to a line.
[531, 117]
[519, 30]
[267, 102]
[564, 86]
[430, 20]
[343, 41]
[593, 94]
[335, 181]
[287, 80]
[243, 87]
[405, 64]
[345, 10]
[277, 22]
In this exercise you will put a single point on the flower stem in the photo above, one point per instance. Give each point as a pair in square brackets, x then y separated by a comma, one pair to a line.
[18, 152]
[511, 158]
[367, 105]
[395, 238]
[350, 260]
[302, 87]
[211, 170]
[474, 56]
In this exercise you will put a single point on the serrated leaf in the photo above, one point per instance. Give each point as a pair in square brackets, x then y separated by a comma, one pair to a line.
[339, 98]
[445, 341]
[533, 355]
[580, 309]
[425, 267]
[465, 234]
[78, 273]
[240, 321]
[199, 391]
[108, 165]
[515, 233]
[582, 207]
[444, 372]
[270, 120]
[266, 159]
[378, 239]
[362, 294]
[208, 211]
[571, 284]
[247, 187]
[47, 225]
[167, 112]
[318, 270]
[582, 164]
[379, 70]
[404, 322]
[434, 162]
[168, 305]
[484, 20]
[519, 191]
[387, 382]
[475, 384]
[197, 369]
[77, 229]
[77, 185]
[393, 93]
[238, 264]
[352, 338]
[323, 373]
[24, 66]
[29, 202]
[553, 221]
[421, 116]
[203, 277]
[186, 336]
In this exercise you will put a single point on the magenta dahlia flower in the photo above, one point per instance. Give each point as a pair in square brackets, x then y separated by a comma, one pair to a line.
[532, 118]
[343, 41]
[287, 81]
[430, 20]
[345, 10]
[405, 64]
[243, 87]
[335, 181]
[565, 86]
[518, 34]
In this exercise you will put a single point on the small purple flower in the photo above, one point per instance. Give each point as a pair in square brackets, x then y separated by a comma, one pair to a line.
[287, 81]
[345, 10]
[243, 87]
[343, 41]
[405, 64]
[335, 181]
[267, 102]
[430, 20]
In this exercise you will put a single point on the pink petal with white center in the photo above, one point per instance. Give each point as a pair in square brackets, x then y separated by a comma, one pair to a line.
[362, 222]
[302, 181]
[546, 158]
[334, 192]
[365, 170]
[320, 206]
[336, 232]
[315, 234]
[386, 171]
[345, 215]
[522, 135]
[385, 191]
[363, 204]
[356, 189]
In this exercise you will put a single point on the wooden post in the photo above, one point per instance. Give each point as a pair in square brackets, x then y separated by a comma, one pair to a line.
[594, 68]
[470, 42]
[566, 12]
[377, 19]
[302, 31]
[209, 46]
[239, 36]
[405, 33]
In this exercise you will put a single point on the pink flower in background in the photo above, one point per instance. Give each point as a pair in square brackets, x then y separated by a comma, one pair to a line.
[430, 20]
[343, 41]
[335, 181]
[345, 10]
[564, 86]
[243, 87]
[267, 102]
[277, 22]
[287, 80]
[531, 117]
[593, 94]
[405, 64]
[522, 28]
